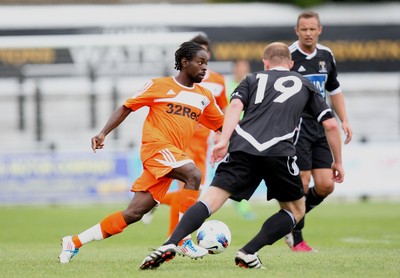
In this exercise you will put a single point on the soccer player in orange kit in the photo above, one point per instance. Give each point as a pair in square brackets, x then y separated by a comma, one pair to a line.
[197, 150]
[176, 106]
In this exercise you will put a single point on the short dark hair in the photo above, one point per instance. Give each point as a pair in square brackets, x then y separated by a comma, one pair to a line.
[186, 50]
[308, 14]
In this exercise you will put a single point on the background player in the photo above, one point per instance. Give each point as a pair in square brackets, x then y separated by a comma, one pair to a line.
[177, 104]
[314, 157]
[260, 148]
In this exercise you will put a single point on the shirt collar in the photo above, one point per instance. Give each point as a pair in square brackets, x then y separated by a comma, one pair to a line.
[279, 68]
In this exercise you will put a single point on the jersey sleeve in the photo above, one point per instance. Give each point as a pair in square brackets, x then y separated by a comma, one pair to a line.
[221, 98]
[316, 105]
[242, 91]
[332, 83]
[212, 116]
[143, 97]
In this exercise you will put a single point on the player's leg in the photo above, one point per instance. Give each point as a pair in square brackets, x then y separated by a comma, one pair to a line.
[284, 184]
[113, 224]
[322, 174]
[186, 197]
[211, 201]
[150, 187]
[295, 239]
[170, 199]
[194, 217]
[323, 186]
[198, 152]
[304, 143]
[273, 229]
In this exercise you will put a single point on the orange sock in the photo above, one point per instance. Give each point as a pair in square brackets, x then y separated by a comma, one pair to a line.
[174, 212]
[187, 198]
[113, 224]
[168, 198]
[76, 241]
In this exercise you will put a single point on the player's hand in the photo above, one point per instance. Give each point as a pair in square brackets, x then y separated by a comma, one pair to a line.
[218, 152]
[337, 172]
[347, 131]
[98, 142]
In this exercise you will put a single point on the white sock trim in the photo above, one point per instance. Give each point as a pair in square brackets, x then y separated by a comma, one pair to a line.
[207, 206]
[291, 215]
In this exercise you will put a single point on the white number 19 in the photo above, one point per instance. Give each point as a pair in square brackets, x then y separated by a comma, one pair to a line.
[287, 92]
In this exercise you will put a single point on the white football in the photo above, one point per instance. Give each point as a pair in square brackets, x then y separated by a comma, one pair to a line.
[214, 235]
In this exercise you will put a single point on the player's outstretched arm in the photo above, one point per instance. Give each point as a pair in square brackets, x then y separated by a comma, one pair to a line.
[115, 120]
[231, 120]
[333, 136]
[339, 106]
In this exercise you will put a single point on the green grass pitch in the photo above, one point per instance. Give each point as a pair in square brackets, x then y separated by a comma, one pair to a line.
[353, 239]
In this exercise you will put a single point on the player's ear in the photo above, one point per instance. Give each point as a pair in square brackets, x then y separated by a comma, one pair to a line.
[266, 64]
[291, 64]
[320, 30]
[184, 62]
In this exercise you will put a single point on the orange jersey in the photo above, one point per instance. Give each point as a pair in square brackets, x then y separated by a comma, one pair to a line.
[215, 82]
[175, 111]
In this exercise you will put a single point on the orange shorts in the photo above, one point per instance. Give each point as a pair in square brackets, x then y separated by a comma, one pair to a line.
[156, 167]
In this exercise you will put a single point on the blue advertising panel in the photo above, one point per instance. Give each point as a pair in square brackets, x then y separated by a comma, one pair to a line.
[66, 177]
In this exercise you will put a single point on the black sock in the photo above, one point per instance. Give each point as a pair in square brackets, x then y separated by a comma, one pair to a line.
[190, 222]
[312, 199]
[273, 229]
[297, 234]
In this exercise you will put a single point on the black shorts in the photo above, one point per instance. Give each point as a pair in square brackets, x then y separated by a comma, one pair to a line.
[241, 173]
[312, 148]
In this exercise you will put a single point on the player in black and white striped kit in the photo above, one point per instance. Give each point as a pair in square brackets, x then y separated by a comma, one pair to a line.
[317, 63]
[260, 148]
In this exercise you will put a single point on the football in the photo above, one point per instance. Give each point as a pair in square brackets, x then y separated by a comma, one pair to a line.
[214, 235]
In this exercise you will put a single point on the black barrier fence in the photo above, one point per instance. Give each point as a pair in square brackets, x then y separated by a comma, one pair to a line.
[362, 48]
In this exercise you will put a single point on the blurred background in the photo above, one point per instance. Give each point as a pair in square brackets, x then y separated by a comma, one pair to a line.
[66, 65]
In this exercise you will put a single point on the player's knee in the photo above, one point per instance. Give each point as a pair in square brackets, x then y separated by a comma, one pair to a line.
[133, 215]
[194, 179]
[325, 188]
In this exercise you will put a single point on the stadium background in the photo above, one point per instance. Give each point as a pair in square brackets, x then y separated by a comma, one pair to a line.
[65, 68]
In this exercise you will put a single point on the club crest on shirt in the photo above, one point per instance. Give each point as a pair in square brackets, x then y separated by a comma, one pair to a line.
[322, 66]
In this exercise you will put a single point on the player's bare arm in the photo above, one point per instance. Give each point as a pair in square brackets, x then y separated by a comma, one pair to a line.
[115, 120]
[333, 136]
[231, 120]
[338, 105]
